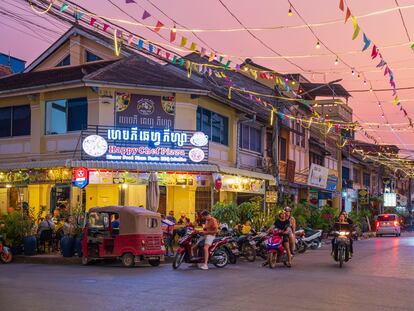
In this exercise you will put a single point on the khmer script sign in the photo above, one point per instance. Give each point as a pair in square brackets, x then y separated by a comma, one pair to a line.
[146, 111]
[144, 145]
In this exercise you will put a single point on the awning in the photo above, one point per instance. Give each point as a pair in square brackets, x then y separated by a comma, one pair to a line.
[35, 164]
[246, 173]
[146, 167]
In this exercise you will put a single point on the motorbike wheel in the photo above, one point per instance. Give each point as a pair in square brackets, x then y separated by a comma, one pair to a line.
[128, 260]
[6, 258]
[272, 259]
[249, 252]
[221, 259]
[85, 261]
[341, 257]
[301, 247]
[316, 245]
[178, 260]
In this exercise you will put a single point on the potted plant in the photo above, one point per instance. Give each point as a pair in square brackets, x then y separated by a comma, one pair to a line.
[12, 231]
[29, 229]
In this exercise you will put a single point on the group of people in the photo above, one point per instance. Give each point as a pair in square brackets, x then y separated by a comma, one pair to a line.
[170, 231]
[50, 232]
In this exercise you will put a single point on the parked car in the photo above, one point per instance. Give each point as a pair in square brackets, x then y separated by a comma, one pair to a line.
[388, 224]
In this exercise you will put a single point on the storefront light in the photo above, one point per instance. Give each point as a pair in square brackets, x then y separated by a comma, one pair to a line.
[124, 186]
[8, 186]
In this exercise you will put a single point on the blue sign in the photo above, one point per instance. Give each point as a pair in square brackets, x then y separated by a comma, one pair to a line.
[332, 182]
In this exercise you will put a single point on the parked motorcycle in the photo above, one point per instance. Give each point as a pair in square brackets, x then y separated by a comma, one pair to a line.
[260, 240]
[217, 252]
[275, 249]
[5, 253]
[308, 238]
[342, 247]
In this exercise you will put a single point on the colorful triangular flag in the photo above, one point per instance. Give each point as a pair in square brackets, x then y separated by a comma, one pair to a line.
[130, 1]
[105, 27]
[78, 15]
[92, 21]
[341, 5]
[64, 7]
[374, 52]
[356, 28]
[183, 41]
[158, 26]
[348, 14]
[367, 42]
[145, 15]
[173, 35]
[193, 46]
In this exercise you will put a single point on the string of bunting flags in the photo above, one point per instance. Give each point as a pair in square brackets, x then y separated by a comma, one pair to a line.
[375, 54]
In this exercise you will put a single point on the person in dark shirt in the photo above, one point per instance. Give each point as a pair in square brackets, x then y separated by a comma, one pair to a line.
[282, 223]
[343, 225]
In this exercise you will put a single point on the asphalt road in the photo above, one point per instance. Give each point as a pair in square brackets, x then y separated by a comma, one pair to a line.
[379, 277]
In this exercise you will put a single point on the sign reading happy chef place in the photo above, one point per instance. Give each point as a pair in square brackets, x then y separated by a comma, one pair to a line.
[144, 145]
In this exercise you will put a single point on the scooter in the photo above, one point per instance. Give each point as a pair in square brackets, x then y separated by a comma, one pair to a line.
[5, 254]
[308, 238]
[275, 249]
[342, 247]
[217, 252]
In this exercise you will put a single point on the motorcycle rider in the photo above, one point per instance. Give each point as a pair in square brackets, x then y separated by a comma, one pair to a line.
[209, 234]
[342, 221]
[282, 223]
[291, 229]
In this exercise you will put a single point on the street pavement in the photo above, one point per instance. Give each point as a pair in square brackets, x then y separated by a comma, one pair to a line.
[379, 277]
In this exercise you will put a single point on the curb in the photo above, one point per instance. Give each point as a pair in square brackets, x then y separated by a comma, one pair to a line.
[59, 260]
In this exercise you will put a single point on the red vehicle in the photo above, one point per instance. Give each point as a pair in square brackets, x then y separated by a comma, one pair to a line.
[131, 234]
[275, 250]
[217, 252]
[5, 254]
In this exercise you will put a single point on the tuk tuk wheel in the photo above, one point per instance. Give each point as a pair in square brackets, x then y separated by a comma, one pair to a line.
[154, 262]
[85, 261]
[128, 260]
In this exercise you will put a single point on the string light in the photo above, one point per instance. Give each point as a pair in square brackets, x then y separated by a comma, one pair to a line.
[290, 13]
[318, 45]
[370, 89]
[336, 61]
[365, 82]
[359, 76]
[174, 30]
[353, 72]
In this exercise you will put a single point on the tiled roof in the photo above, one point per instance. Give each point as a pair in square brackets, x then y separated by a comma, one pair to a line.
[139, 71]
[50, 76]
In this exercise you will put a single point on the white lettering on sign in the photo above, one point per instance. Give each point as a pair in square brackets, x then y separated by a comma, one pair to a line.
[156, 137]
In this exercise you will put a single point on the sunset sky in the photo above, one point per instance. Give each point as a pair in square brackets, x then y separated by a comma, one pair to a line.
[384, 26]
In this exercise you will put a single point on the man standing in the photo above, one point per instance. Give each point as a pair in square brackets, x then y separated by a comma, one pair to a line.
[292, 228]
[210, 231]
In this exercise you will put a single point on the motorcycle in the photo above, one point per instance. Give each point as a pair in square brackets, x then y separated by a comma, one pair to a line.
[342, 247]
[308, 238]
[218, 255]
[258, 240]
[275, 249]
[5, 254]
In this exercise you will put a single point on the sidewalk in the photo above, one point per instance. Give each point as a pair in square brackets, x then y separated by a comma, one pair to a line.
[57, 259]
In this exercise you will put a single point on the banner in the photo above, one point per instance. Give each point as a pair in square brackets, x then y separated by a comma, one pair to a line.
[134, 110]
[318, 176]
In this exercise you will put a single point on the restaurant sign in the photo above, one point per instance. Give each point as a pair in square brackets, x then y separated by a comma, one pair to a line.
[80, 177]
[144, 145]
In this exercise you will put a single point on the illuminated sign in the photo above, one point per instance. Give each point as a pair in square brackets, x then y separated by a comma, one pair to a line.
[390, 199]
[144, 145]
[80, 177]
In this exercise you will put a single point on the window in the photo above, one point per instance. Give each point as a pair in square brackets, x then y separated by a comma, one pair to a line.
[66, 115]
[15, 121]
[283, 149]
[64, 62]
[316, 158]
[214, 125]
[250, 138]
[357, 177]
[152, 222]
[90, 57]
[366, 180]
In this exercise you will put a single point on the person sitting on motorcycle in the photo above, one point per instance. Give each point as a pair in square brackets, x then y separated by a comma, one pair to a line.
[209, 234]
[292, 228]
[342, 221]
[283, 224]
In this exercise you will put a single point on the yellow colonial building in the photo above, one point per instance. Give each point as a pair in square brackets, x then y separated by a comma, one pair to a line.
[121, 118]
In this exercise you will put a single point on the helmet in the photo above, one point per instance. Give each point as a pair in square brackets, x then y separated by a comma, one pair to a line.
[288, 209]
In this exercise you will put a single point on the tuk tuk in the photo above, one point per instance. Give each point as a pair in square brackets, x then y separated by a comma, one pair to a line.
[131, 234]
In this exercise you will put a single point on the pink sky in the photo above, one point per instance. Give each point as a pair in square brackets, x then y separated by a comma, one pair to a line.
[383, 29]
